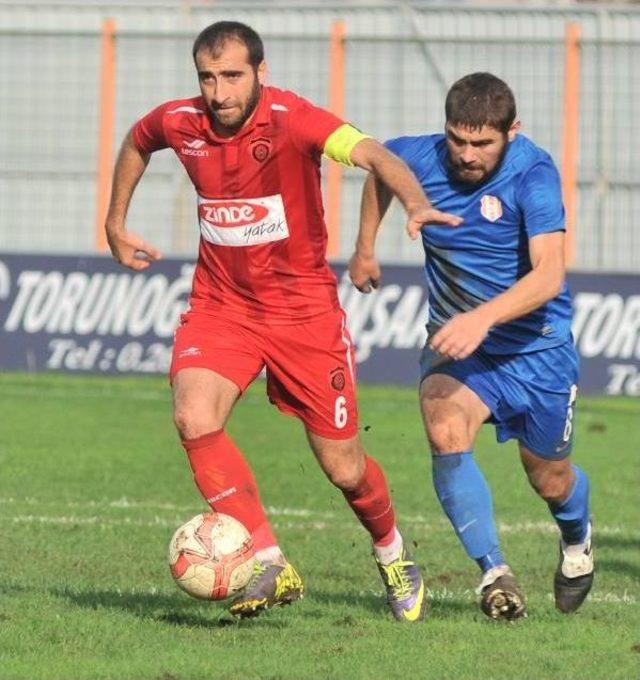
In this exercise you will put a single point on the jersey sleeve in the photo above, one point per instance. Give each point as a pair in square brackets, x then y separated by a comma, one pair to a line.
[412, 150]
[310, 127]
[540, 199]
[148, 132]
[395, 145]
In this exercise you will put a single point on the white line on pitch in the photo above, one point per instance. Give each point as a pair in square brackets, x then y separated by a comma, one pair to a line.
[317, 520]
[433, 522]
[74, 520]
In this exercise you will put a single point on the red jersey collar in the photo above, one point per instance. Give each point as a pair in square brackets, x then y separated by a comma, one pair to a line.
[261, 116]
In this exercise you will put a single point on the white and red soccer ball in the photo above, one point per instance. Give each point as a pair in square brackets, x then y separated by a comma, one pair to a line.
[211, 556]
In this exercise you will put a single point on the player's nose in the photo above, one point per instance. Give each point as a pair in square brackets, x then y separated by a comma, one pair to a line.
[220, 94]
[468, 155]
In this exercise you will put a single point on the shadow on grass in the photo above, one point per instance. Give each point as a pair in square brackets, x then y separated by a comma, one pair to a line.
[8, 588]
[619, 567]
[628, 567]
[171, 610]
[366, 603]
[370, 604]
[616, 541]
[451, 608]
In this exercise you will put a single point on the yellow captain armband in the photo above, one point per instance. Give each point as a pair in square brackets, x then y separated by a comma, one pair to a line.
[340, 143]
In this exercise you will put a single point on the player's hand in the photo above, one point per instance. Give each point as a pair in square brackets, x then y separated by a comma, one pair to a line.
[364, 272]
[461, 335]
[423, 216]
[131, 251]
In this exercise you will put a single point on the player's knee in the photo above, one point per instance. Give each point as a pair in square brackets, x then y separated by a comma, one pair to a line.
[346, 472]
[552, 486]
[193, 422]
[344, 479]
[445, 426]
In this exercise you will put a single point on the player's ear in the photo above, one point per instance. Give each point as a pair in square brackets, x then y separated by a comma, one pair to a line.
[514, 129]
[262, 72]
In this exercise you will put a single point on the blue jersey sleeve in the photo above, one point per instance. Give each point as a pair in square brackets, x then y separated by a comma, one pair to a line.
[540, 198]
[410, 149]
[395, 145]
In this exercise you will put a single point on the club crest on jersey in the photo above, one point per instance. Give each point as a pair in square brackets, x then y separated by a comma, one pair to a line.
[490, 208]
[260, 148]
[337, 379]
[242, 222]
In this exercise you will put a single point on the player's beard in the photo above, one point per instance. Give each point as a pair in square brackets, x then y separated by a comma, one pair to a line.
[476, 173]
[231, 125]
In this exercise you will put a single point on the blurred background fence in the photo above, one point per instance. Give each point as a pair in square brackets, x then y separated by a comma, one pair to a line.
[61, 110]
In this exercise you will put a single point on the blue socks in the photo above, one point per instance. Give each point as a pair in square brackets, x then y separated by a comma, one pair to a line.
[466, 499]
[572, 515]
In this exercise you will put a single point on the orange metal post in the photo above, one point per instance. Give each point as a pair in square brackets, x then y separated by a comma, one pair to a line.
[336, 104]
[105, 128]
[570, 135]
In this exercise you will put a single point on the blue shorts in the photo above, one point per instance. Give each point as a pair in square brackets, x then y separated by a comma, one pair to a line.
[531, 396]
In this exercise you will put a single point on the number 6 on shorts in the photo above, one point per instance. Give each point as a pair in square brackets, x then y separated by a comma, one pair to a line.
[340, 412]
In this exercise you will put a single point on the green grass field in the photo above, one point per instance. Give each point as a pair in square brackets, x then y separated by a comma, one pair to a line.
[93, 483]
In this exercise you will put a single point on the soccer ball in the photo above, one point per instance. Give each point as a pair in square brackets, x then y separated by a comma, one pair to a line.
[211, 556]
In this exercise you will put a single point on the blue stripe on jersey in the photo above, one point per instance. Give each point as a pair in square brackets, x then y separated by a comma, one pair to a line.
[489, 251]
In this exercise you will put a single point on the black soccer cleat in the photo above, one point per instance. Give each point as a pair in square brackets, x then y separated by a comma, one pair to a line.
[574, 576]
[501, 599]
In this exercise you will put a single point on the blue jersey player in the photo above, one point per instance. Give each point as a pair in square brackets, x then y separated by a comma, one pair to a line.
[499, 347]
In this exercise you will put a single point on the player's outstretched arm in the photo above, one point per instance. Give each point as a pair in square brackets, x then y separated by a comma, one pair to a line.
[127, 248]
[389, 175]
[364, 269]
[401, 182]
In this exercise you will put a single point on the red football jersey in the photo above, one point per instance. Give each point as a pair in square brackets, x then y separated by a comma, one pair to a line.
[262, 233]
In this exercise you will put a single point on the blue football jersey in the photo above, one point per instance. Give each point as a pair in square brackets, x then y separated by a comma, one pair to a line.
[476, 261]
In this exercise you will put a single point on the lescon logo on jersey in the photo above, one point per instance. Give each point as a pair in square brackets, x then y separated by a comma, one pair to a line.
[194, 148]
[490, 208]
[244, 222]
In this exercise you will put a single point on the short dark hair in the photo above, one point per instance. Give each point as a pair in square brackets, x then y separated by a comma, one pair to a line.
[481, 99]
[213, 37]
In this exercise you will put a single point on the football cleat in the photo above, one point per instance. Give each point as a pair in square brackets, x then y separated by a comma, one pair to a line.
[405, 588]
[574, 576]
[270, 585]
[501, 598]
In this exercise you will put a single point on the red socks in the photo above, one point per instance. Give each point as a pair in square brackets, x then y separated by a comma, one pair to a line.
[371, 502]
[228, 485]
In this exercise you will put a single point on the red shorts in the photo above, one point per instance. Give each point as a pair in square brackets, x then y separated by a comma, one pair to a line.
[310, 366]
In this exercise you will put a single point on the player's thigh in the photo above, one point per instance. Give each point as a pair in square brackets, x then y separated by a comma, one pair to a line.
[214, 360]
[452, 412]
[202, 401]
[549, 380]
[310, 375]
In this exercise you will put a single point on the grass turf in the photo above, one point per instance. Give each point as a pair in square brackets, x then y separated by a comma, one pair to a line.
[93, 482]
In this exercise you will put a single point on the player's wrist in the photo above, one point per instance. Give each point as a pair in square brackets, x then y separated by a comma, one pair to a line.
[364, 251]
[417, 206]
[114, 226]
[485, 316]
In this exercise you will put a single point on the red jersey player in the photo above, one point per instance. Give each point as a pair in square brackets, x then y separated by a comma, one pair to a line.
[263, 295]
